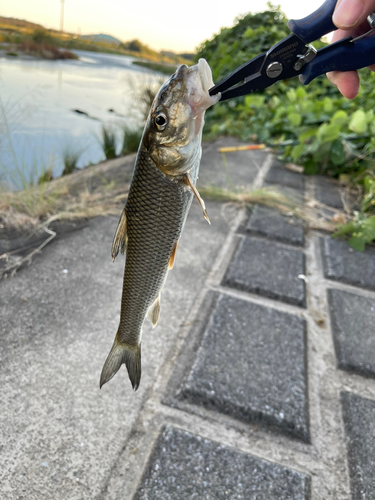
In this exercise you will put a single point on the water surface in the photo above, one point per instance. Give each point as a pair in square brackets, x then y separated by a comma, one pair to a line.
[37, 118]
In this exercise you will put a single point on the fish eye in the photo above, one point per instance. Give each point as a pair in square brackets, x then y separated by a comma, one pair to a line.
[160, 121]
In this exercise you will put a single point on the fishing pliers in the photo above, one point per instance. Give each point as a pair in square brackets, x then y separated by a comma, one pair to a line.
[295, 56]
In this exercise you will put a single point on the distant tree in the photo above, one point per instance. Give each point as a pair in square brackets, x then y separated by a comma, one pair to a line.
[135, 46]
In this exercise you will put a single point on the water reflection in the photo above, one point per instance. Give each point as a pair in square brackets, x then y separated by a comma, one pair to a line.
[38, 99]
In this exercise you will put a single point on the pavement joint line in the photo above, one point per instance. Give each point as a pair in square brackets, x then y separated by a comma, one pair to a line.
[246, 438]
[357, 384]
[326, 422]
[278, 243]
[261, 300]
[262, 172]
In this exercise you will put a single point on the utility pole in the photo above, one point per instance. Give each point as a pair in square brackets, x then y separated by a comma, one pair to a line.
[62, 16]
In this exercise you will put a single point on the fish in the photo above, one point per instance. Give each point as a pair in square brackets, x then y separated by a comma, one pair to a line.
[160, 195]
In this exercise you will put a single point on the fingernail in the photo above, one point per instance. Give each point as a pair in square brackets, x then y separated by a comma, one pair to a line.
[347, 13]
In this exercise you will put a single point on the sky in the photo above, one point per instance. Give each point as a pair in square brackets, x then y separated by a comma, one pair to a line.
[163, 25]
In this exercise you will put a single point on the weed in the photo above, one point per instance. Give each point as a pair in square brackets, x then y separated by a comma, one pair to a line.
[131, 139]
[70, 159]
[108, 142]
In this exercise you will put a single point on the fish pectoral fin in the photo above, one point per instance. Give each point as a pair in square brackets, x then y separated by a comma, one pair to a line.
[173, 256]
[119, 354]
[188, 182]
[154, 312]
[120, 239]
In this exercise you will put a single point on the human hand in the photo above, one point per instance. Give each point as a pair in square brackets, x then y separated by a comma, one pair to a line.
[350, 17]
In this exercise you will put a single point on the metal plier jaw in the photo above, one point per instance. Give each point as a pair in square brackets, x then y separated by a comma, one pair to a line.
[294, 56]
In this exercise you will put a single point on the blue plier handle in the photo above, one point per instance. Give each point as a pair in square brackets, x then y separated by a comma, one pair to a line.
[294, 56]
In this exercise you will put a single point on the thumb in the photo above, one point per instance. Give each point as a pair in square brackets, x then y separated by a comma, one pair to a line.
[351, 13]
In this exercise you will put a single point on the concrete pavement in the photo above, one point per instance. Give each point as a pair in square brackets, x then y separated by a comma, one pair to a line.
[258, 382]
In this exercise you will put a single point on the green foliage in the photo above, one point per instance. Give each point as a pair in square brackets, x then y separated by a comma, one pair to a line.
[70, 159]
[131, 139]
[42, 36]
[313, 126]
[108, 142]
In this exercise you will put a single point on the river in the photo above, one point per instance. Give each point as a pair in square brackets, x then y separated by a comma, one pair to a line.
[38, 99]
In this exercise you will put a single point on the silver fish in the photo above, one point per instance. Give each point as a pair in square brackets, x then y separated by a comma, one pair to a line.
[160, 195]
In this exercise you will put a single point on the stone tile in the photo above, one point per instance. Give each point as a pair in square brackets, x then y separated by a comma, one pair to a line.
[270, 270]
[328, 192]
[342, 263]
[359, 422]
[278, 174]
[251, 365]
[270, 223]
[353, 326]
[185, 466]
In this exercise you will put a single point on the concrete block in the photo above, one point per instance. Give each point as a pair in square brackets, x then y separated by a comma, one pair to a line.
[185, 466]
[270, 270]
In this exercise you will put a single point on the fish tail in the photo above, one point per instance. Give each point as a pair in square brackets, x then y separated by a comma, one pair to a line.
[119, 354]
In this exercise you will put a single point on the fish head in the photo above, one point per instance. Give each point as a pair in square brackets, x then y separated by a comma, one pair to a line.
[173, 131]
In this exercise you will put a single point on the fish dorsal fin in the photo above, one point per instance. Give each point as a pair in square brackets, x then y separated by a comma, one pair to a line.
[173, 256]
[154, 312]
[188, 182]
[121, 238]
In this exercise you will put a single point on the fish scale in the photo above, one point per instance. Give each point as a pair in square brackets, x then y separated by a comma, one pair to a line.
[156, 211]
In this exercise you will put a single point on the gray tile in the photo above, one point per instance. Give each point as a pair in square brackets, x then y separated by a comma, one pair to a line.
[343, 263]
[270, 223]
[268, 269]
[278, 174]
[353, 328]
[251, 365]
[359, 421]
[185, 466]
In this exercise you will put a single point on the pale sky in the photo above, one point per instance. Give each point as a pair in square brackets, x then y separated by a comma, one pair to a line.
[165, 24]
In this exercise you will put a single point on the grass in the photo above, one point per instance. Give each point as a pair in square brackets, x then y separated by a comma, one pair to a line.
[131, 139]
[70, 159]
[167, 69]
[108, 142]
[311, 212]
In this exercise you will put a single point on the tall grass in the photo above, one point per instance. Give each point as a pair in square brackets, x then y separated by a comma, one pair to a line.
[131, 139]
[108, 141]
[70, 158]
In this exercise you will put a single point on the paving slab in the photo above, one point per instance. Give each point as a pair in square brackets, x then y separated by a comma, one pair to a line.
[251, 364]
[278, 174]
[265, 221]
[359, 421]
[267, 269]
[185, 466]
[353, 329]
[343, 263]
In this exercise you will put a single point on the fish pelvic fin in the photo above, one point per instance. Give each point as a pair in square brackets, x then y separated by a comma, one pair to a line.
[121, 353]
[154, 312]
[173, 256]
[186, 179]
[121, 238]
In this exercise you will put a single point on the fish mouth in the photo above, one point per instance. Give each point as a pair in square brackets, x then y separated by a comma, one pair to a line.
[198, 83]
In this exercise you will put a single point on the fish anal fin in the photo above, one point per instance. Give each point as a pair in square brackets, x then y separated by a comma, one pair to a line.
[120, 239]
[121, 353]
[154, 312]
[173, 256]
[189, 183]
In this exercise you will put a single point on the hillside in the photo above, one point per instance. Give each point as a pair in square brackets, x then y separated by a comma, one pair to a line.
[19, 23]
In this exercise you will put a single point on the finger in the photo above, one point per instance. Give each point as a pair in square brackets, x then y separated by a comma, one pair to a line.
[347, 82]
[351, 13]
